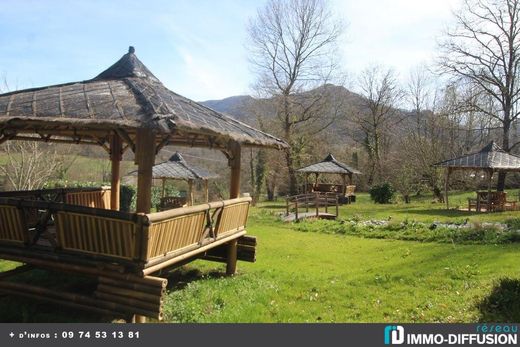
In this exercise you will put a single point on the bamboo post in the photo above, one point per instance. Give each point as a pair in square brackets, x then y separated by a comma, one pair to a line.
[344, 179]
[446, 183]
[163, 187]
[206, 190]
[231, 264]
[317, 203]
[490, 177]
[145, 158]
[116, 155]
[234, 163]
[326, 204]
[234, 192]
[190, 192]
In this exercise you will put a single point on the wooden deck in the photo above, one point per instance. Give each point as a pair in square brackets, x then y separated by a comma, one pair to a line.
[125, 252]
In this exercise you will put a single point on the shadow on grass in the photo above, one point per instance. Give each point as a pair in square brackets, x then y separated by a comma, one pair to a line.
[17, 309]
[180, 278]
[503, 303]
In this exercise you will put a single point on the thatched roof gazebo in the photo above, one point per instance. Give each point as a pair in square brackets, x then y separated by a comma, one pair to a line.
[126, 107]
[176, 168]
[329, 165]
[490, 159]
[123, 108]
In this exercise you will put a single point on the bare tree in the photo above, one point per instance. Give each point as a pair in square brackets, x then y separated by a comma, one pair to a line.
[293, 45]
[30, 164]
[378, 115]
[483, 49]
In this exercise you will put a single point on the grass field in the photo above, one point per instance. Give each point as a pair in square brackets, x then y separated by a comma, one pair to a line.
[319, 277]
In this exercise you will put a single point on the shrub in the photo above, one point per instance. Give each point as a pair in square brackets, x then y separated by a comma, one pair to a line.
[127, 198]
[382, 193]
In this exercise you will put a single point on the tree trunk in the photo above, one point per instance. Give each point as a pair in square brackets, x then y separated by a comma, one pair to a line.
[501, 182]
[293, 181]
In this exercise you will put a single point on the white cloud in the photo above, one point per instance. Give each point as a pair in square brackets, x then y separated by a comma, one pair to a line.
[396, 33]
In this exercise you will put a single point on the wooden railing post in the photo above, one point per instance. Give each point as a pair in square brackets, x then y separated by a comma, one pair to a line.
[296, 208]
[235, 152]
[326, 204]
[116, 155]
[145, 158]
[231, 265]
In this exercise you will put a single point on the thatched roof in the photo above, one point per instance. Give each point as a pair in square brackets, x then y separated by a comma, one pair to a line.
[177, 168]
[329, 165]
[125, 96]
[489, 157]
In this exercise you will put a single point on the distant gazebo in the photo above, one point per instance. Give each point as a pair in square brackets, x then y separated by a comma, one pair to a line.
[489, 159]
[176, 168]
[329, 165]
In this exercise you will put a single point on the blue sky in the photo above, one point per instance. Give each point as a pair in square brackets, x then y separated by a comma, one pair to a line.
[197, 47]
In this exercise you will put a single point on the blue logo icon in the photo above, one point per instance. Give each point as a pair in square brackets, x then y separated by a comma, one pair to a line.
[394, 335]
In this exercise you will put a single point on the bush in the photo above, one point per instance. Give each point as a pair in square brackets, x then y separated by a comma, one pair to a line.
[127, 198]
[382, 193]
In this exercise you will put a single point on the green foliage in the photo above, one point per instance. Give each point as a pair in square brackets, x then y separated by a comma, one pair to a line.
[382, 193]
[170, 190]
[127, 198]
[412, 231]
[72, 184]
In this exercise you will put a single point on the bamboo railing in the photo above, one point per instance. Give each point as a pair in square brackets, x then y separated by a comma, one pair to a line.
[191, 227]
[113, 235]
[97, 198]
[121, 250]
[51, 195]
[13, 227]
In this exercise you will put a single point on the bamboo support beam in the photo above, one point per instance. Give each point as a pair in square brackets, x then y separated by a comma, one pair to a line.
[231, 264]
[43, 293]
[190, 192]
[234, 192]
[116, 155]
[163, 187]
[145, 158]
[446, 185]
[234, 164]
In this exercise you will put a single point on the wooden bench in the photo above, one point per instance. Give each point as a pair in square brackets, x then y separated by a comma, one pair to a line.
[350, 193]
[171, 202]
[491, 202]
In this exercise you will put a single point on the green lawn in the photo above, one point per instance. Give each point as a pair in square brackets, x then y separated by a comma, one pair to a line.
[318, 277]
